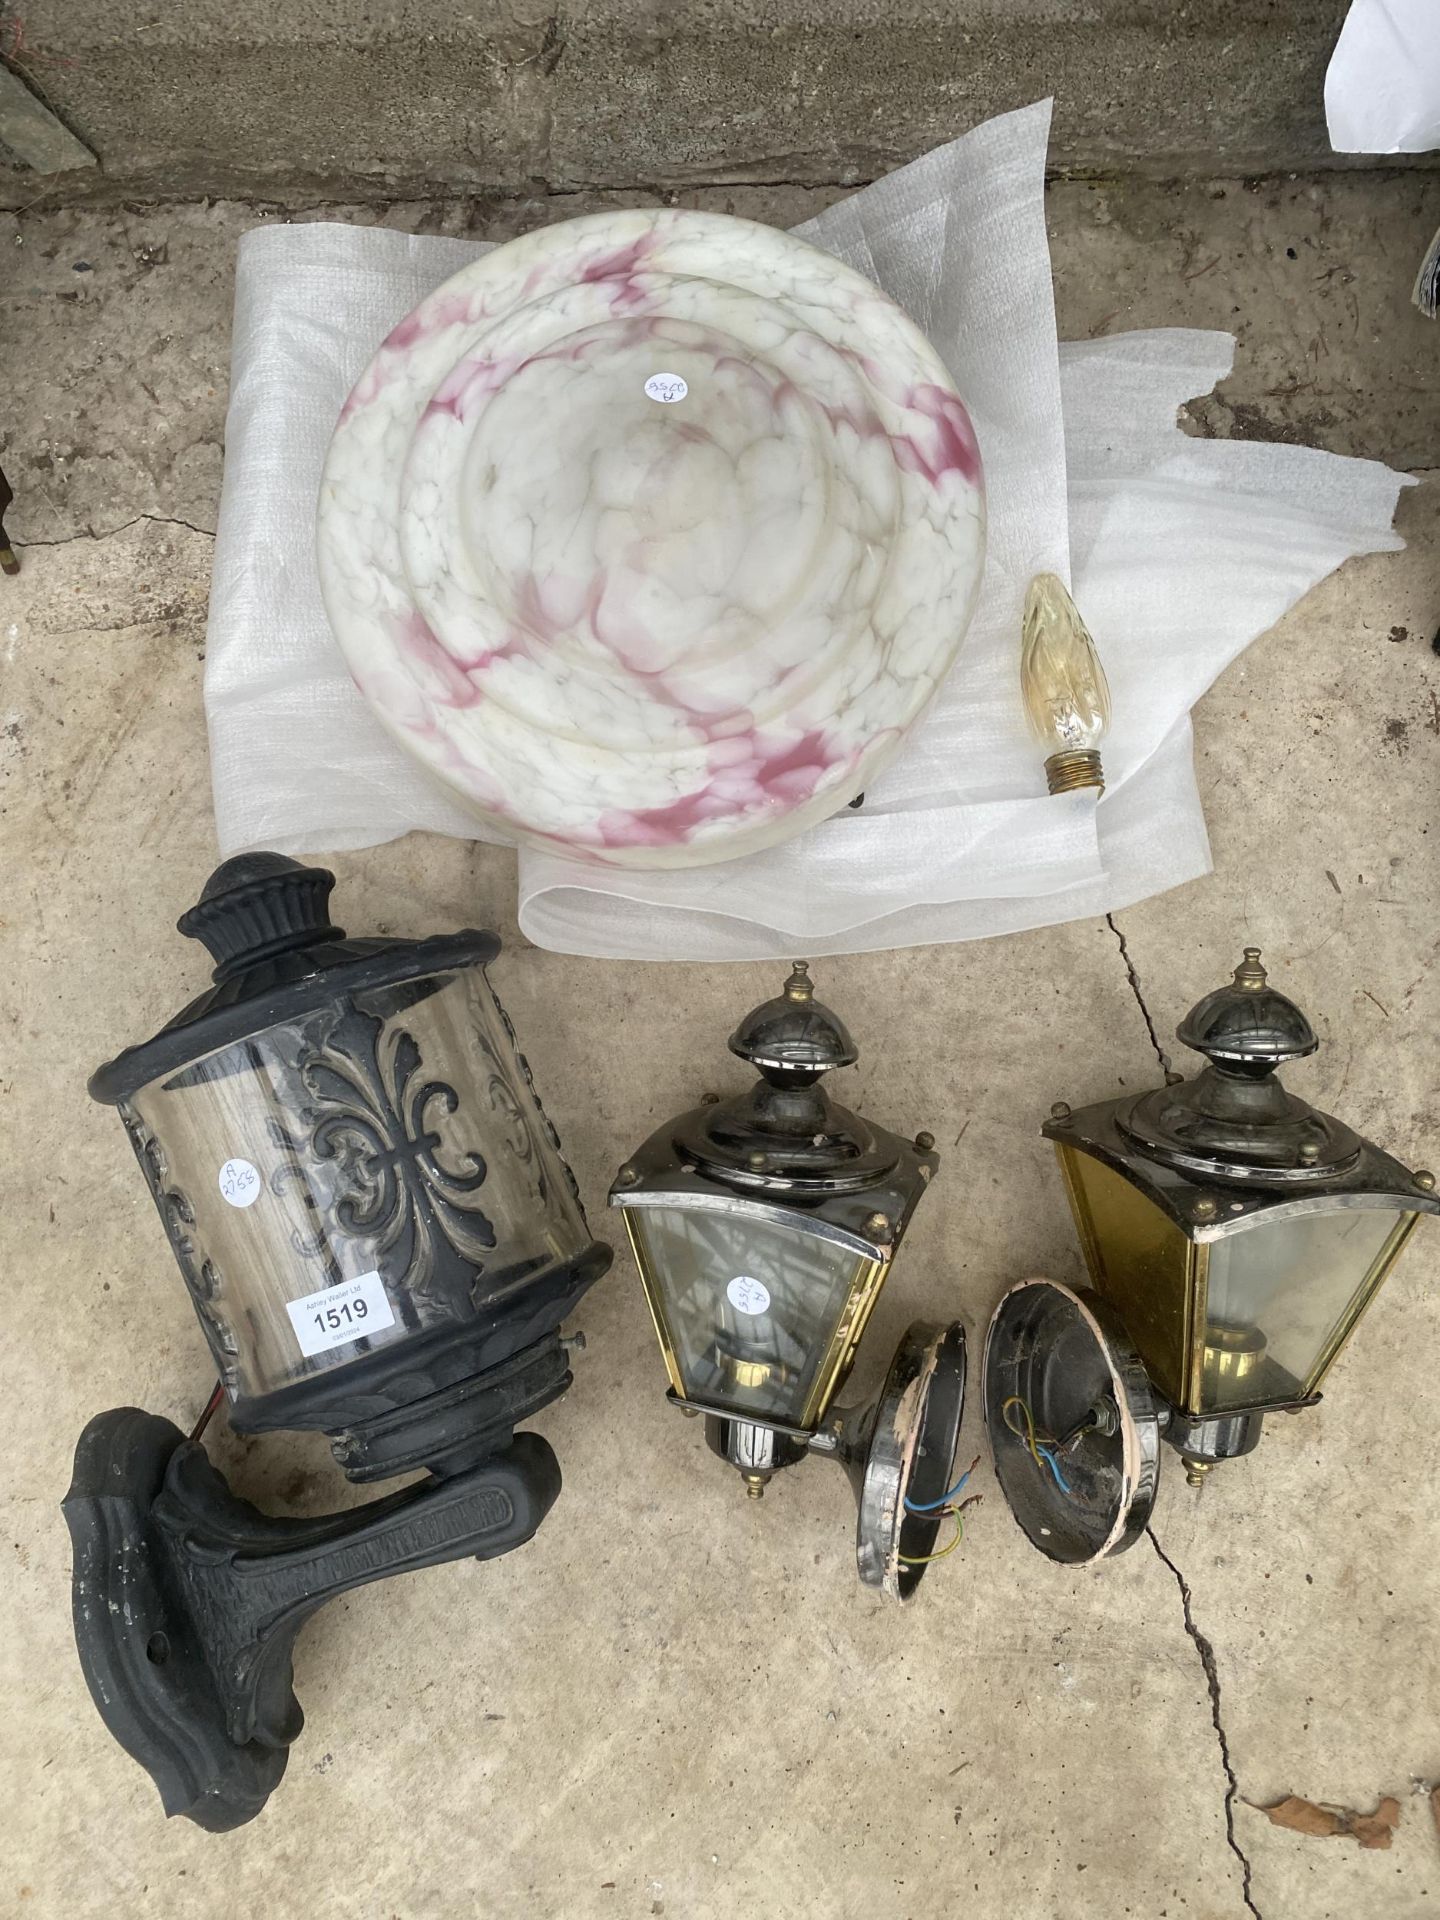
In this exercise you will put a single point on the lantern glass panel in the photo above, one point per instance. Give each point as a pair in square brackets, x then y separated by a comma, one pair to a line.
[749, 1310]
[1140, 1261]
[393, 1134]
[1281, 1296]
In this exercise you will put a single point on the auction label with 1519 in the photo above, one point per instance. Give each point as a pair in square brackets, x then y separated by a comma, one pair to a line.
[335, 1316]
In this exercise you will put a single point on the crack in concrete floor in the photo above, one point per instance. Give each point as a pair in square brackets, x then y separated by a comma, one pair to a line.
[109, 533]
[1160, 1053]
[1206, 1650]
[1203, 1645]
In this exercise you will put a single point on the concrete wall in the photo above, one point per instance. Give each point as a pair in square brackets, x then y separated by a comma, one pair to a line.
[286, 96]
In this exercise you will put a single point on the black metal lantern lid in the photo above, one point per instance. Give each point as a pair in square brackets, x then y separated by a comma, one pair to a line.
[265, 920]
[783, 1145]
[795, 1032]
[1246, 1023]
[786, 1130]
[1235, 1121]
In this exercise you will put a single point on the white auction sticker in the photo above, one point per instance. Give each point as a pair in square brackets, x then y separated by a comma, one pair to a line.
[748, 1295]
[667, 388]
[335, 1316]
[239, 1183]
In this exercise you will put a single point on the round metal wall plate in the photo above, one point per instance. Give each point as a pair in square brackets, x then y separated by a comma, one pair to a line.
[910, 1457]
[1064, 1355]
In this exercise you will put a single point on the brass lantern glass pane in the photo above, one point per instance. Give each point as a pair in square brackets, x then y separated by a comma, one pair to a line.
[1283, 1294]
[1139, 1260]
[755, 1316]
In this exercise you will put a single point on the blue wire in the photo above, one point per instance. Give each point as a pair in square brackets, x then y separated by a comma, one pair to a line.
[930, 1506]
[1048, 1456]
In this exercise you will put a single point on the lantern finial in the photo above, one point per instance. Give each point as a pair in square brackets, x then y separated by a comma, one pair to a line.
[1250, 974]
[259, 905]
[1235, 1119]
[800, 986]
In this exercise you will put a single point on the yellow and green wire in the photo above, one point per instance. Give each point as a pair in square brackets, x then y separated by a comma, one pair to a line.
[943, 1506]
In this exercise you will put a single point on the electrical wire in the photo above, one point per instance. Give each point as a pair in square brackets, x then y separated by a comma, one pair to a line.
[1042, 1446]
[211, 1405]
[933, 1506]
[924, 1559]
[1048, 1454]
[957, 1514]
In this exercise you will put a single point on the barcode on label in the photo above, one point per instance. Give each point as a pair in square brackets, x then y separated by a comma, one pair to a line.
[335, 1316]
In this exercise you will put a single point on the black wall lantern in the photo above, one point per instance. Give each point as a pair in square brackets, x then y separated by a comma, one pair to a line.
[764, 1228]
[1234, 1237]
[381, 1240]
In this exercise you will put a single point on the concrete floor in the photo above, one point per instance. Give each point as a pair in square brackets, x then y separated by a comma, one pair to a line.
[674, 1701]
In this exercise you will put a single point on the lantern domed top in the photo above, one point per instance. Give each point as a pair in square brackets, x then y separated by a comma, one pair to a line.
[794, 1033]
[1248, 1025]
[1235, 1121]
[258, 905]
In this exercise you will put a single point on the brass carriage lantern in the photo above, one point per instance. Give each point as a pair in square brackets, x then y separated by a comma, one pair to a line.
[1234, 1236]
[764, 1228]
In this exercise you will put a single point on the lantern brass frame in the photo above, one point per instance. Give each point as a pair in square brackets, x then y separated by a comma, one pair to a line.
[1165, 1324]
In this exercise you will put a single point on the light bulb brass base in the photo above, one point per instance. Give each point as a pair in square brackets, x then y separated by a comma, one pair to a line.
[1078, 767]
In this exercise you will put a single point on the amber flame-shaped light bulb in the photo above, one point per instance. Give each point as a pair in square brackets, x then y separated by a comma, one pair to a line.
[1067, 698]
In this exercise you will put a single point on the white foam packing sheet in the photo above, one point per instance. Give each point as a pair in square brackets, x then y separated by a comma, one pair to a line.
[1179, 551]
[1382, 87]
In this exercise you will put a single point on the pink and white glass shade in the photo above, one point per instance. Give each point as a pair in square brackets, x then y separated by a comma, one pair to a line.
[651, 533]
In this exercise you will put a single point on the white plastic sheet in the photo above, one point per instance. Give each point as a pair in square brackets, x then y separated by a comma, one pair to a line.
[1382, 88]
[1181, 552]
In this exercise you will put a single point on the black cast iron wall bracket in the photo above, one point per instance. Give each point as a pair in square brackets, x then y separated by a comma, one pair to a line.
[188, 1599]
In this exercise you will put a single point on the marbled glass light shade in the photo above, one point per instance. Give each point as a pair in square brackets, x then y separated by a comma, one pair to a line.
[651, 533]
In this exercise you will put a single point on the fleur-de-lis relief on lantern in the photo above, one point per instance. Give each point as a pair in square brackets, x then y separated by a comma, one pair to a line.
[403, 1184]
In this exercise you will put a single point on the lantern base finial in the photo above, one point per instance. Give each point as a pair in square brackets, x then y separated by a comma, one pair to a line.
[188, 1600]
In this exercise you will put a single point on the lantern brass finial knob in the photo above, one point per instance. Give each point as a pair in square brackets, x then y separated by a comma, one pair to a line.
[800, 986]
[1250, 974]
